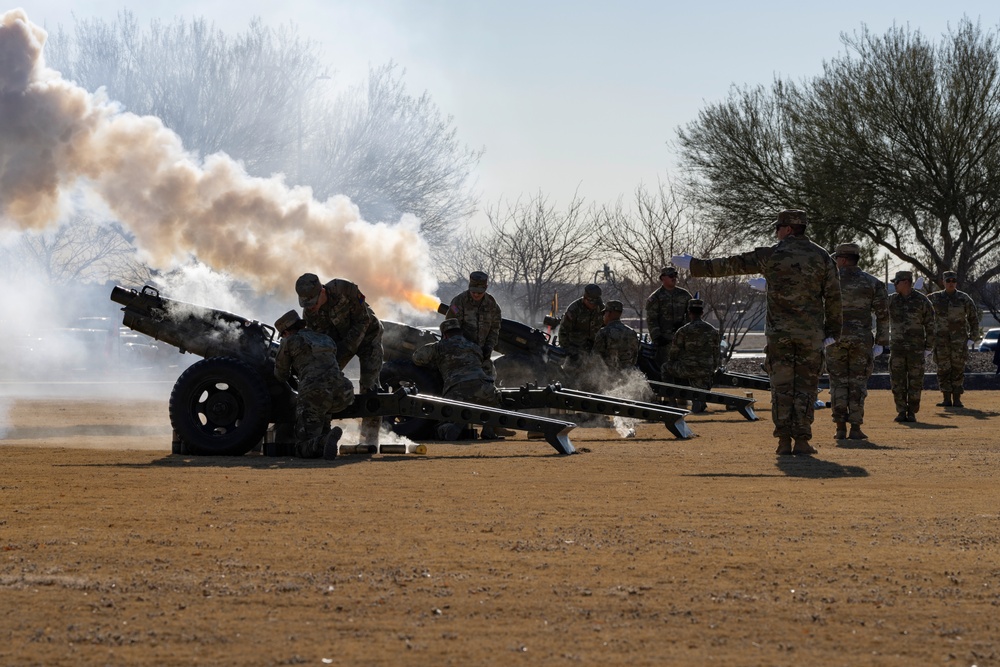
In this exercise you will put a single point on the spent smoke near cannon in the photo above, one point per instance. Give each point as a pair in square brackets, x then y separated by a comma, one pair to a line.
[57, 139]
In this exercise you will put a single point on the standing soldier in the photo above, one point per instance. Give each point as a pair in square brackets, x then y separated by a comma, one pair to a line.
[666, 312]
[803, 316]
[583, 319]
[694, 352]
[851, 359]
[323, 389]
[460, 362]
[957, 327]
[911, 324]
[616, 343]
[479, 315]
[339, 310]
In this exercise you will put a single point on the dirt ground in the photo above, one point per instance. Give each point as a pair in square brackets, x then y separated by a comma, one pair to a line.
[646, 551]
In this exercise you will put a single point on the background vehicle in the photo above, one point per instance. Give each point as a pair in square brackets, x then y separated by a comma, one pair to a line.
[988, 342]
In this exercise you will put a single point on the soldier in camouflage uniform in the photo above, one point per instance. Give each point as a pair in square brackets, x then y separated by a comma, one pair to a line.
[666, 312]
[803, 317]
[460, 362]
[911, 336]
[479, 314]
[694, 352]
[323, 389]
[581, 322]
[851, 359]
[617, 344]
[339, 310]
[957, 321]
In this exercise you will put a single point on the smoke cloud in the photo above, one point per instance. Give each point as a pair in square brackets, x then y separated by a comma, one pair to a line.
[56, 136]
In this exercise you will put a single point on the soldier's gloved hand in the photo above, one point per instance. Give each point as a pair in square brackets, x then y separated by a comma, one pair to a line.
[928, 353]
[682, 261]
[919, 284]
[877, 350]
[759, 284]
[827, 342]
[970, 344]
[487, 352]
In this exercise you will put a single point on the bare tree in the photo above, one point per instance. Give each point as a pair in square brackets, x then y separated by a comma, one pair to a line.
[79, 251]
[536, 249]
[393, 153]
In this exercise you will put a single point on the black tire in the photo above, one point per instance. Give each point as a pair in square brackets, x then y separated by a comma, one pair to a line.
[220, 407]
[397, 374]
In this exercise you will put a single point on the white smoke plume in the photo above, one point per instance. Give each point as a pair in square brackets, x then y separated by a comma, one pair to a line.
[55, 136]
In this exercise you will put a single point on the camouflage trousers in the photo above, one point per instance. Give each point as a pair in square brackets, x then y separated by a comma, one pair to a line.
[481, 392]
[906, 374]
[793, 368]
[370, 358]
[950, 358]
[849, 365]
[314, 409]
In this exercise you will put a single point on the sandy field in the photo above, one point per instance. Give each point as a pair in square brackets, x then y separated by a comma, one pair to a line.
[646, 551]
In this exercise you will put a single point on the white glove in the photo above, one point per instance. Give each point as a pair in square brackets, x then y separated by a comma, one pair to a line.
[877, 350]
[919, 284]
[759, 284]
[827, 342]
[682, 261]
[928, 353]
[971, 344]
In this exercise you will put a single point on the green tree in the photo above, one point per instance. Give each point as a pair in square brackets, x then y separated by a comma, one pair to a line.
[896, 144]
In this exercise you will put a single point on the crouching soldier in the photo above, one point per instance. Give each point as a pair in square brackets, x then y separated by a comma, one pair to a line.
[323, 389]
[694, 352]
[616, 343]
[460, 362]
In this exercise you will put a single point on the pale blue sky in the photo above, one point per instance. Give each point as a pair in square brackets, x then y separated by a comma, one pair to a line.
[564, 95]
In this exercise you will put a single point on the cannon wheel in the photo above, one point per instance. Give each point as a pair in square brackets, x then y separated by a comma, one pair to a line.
[220, 406]
[397, 374]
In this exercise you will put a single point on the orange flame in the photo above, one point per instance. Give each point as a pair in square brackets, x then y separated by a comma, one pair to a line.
[422, 301]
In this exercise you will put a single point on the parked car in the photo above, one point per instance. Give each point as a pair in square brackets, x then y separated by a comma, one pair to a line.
[988, 342]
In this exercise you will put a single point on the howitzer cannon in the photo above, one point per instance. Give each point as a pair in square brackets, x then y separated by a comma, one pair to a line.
[224, 403]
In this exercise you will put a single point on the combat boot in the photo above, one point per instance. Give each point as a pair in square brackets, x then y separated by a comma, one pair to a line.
[330, 443]
[901, 417]
[784, 445]
[946, 403]
[803, 448]
[856, 433]
[698, 406]
[911, 417]
[957, 401]
[841, 431]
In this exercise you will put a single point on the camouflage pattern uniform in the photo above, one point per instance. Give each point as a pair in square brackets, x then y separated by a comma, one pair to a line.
[323, 389]
[694, 354]
[666, 312]
[911, 324]
[957, 321]
[460, 362]
[849, 361]
[480, 322]
[618, 345]
[803, 309]
[348, 319]
[579, 328]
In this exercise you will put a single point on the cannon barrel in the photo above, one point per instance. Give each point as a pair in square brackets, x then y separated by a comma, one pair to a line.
[205, 332]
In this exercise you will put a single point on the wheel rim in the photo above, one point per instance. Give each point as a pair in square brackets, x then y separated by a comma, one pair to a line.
[217, 408]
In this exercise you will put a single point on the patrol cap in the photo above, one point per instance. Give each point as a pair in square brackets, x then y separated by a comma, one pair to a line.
[668, 271]
[308, 288]
[478, 282]
[592, 291]
[696, 304]
[847, 249]
[792, 216]
[451, 324]
[902, 275]
[614, 306]
[950, 275]
[287, 321]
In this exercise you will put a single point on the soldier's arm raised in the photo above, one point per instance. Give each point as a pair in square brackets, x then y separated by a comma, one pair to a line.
[747, 263]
